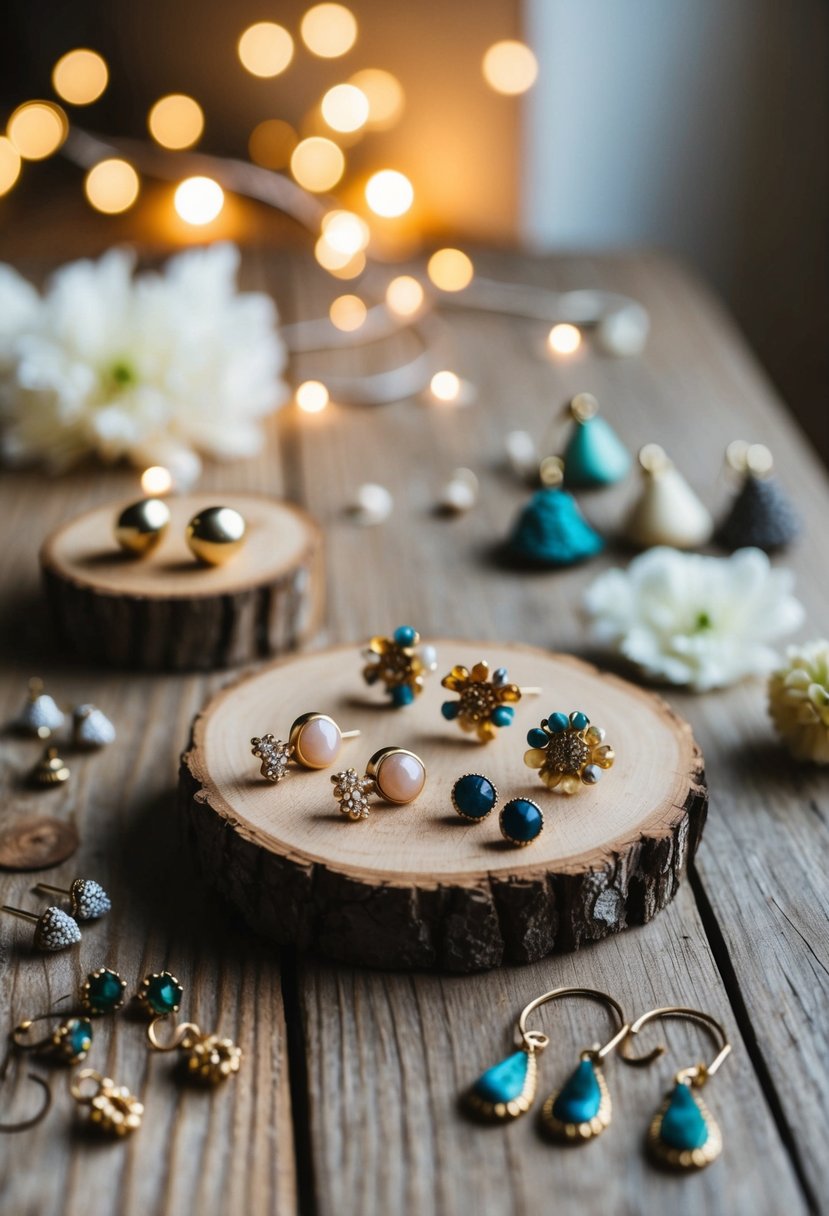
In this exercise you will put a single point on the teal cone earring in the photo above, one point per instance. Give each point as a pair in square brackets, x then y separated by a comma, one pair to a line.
[594, 454]
[683, 1134]
[581, 1108]
[550, 530]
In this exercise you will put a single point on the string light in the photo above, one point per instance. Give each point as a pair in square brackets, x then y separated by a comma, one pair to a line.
[329, 30]
[317, 163]
[445, 386]
[510, 67]
[347, 313]
[111, 186]
[385, 96]
[271, 143]
[450, 269]
[345, 108]
[198, 200]
[345, 232]
[265, 49]
[564, 339]
[37, 129]
[176, 121]
[80, 77]
[312, 396]
[404, 295]
[389, 193]
[156, 480]
[9, 164]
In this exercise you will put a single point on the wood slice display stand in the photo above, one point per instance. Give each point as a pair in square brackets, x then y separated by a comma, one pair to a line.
[416, 886]
[167, 612]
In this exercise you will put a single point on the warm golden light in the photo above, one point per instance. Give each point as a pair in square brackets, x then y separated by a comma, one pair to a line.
[37, 129]
[445, 386]
[265, 49]
[80, 77]
[176, 121]
[450, 269]
[156, 480]
[389, 193]
[347, 313]
[385, 97]
[312, 396]
[329, 30]
[345, 108]
[9, 164]
[404, 295]
[564, 339]
[317, 163]
[345, 232]
[111, 186]
[510, 67]
[352, 268]
[198, 200]
[271, 143]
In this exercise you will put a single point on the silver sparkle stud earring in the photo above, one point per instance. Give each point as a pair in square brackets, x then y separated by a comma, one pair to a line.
[54, 928]
[91, 727]
[87, 899]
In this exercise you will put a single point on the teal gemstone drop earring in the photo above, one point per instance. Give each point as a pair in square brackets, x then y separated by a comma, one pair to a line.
[507, 1090]
[683, 1133]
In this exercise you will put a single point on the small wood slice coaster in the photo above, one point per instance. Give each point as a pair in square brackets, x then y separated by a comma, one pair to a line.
[36, 842]
[416, 886]
[167, 612]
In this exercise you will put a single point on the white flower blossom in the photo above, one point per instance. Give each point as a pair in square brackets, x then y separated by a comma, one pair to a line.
[704, 622]
[152, 368]
[799, 701]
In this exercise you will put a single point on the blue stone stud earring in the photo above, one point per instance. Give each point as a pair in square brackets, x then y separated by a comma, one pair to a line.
[401, 663]
[159, 994]
[474, 797]
[484, 705]
[102, 992]
[568, 752]
[683, 1134]
[521, 821]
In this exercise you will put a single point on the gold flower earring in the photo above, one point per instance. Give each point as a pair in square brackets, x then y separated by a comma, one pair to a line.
[484, 704]
[568, 752]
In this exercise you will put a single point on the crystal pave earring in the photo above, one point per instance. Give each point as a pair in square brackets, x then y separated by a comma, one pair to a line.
[314, 742]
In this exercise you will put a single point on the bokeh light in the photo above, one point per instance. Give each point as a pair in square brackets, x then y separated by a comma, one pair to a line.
[404, 295]
[445, 386]
[317, 163]
[80, 77]
[385, 95]
[389, 193]
[329, 30]
[510, 67]
[265, 48]
[271, 143]
[176, 121]
[156, 480]
[564, 339]
[347, 313]
[450, 269]
[345, 108]
[112, 186]
[345, 232]
[352, 268]
[9, 164]
[37, 129]
[312, 396]
[198, 200]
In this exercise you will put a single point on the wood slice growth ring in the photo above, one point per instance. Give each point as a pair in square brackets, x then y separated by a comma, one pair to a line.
[416, 886]
[165, 611]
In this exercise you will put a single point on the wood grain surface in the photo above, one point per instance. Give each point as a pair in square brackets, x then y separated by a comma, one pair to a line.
[347, 1102]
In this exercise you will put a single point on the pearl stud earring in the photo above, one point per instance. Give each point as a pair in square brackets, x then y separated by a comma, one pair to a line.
[314, 742]
[393, 773]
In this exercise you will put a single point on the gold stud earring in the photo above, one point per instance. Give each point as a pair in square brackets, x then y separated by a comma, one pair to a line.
[69, 1041]
[87, 899]
[54, 928]
[484, 704]
[113, 1110]
[568, 752]
[215, 535]
[41, 715]
[207, 1057]
[49, 770]
[394, 774]
[314, 742]
[141, 526]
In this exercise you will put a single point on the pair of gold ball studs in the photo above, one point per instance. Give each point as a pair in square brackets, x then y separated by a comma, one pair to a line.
[214, 535]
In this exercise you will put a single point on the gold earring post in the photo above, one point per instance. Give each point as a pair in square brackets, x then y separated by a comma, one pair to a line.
[679, 1011]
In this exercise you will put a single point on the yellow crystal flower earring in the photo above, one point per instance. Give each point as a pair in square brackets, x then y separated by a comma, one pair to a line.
[207, 1057]
[401, 663]
[393, 773]
[314, 742]
[568, 752]
[113, 1110]
[683, 1133]
[484, 704]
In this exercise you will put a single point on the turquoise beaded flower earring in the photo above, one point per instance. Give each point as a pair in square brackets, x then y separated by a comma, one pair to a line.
[401, 663]
[484, 705]
[568, 752]
[581, 1109]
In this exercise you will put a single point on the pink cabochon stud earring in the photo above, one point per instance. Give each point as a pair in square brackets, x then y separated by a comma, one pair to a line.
[314, 742]
[393, 773]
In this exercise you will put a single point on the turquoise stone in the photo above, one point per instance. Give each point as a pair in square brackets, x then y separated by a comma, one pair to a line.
[578, 720]
[551, 531]
[504, 1081]
[557, 722]
[473, 796]
[580, 1097]
[79, 1038]
[521, 821]
[404, 635]
[105, 992]
[502, 715]
[595, 455]
[449, 709]
[683, 1124]
[536, 737]
[401, 695]
[163, 994]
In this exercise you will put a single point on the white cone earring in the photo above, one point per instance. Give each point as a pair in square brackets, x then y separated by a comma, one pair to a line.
[41, 715]
[91, 727]
[314, 742]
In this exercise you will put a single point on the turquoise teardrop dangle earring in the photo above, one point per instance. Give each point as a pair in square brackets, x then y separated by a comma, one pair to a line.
[683, 1133]
[594, 455]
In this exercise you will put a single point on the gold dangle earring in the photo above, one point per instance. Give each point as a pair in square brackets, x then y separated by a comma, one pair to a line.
[683, 1133]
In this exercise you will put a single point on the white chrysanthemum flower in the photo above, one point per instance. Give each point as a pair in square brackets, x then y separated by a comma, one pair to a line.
[799, 701]
[152, 368]
[704, 622]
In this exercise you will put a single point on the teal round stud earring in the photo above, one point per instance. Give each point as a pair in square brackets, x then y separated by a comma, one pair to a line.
[474, 797]
[521, 822]
[551, 530]
[159, 994]
[594, 455]
[102, 992]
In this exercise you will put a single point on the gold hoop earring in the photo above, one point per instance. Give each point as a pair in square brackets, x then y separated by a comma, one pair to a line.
[26, 1124]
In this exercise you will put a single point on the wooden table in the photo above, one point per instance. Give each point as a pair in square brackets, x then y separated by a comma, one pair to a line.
[347, 1099]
